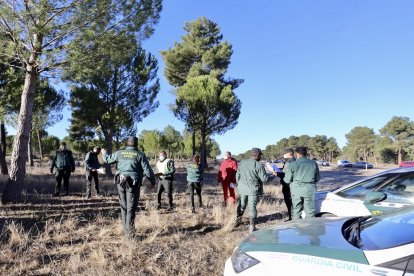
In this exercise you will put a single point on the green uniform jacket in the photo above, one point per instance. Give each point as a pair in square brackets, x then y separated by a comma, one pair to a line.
[250, 177]
[133, 163]
[63, 159]
[194, 173]
[91, 161]
[301, 171]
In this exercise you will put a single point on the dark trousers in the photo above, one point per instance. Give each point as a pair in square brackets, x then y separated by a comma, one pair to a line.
[89, 176]
[288, 199]
[247, 200]
[65, 175]
[197, 187]
[165, 185]
[128, 200]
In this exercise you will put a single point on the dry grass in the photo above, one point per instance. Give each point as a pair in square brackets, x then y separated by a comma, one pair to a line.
[75, 236]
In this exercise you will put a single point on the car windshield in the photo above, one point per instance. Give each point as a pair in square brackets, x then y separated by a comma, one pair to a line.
[375, 232]
[362, 188]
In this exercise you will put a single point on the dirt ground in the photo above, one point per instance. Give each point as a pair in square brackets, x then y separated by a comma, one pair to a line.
[74, 235]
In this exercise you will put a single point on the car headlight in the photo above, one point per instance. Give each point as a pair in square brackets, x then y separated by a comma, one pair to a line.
[241, 261]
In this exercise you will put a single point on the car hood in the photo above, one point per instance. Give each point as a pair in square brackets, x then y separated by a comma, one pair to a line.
[320, 237]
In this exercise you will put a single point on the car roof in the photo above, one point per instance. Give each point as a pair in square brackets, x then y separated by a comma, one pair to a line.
[395, 171]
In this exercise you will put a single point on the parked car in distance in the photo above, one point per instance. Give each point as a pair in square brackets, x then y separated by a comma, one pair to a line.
[362, 165]
[344, 163]
[329, 246]
[407, 164]
[322, 163]
[375, 194]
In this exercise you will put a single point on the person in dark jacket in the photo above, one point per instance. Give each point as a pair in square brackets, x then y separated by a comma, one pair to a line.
[194, 180]
[91, 166]
[64, 164]
[132, 166]
[287, 157]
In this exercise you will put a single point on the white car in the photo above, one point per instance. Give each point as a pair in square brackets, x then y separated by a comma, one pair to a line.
[329, 246]
[372, 195]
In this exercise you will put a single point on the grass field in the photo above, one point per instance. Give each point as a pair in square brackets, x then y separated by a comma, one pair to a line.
[78, 236]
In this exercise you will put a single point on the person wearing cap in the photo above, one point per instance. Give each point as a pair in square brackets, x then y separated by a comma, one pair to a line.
[132, 166]
[226, 176]
[302, 175]
[250, 177]
[64, 164]
[166, 170]
[91, 166]
[287, 157]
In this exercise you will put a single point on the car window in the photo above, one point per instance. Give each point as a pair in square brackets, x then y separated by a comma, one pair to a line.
[372, 231]
[361, 189]
[403, 187]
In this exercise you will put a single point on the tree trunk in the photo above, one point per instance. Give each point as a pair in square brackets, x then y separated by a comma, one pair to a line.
[203, 150]
[11, 193]
[193, 142]
[399, 155]
[39, 139]
[109, 148]
[30, 150]
[3, 146]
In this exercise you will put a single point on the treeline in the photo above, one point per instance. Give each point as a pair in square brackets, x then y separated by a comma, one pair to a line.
[319, 147]
[393, 143]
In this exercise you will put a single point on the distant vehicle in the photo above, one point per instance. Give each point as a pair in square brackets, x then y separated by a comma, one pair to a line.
[383, 192]
[322, 163]
[344, 163]
[358, 245]
[407, 164]
[362, 165]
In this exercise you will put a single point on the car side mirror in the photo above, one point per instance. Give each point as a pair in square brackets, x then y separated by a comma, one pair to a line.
[373, 197]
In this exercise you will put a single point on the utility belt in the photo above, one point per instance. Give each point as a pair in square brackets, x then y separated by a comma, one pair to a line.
[124, 181]
[301, 183]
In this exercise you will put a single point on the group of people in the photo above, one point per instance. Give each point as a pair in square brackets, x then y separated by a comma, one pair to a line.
[298, 179]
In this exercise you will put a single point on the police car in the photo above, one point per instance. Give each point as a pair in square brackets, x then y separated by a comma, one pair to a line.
[373, 195]
[367, 245]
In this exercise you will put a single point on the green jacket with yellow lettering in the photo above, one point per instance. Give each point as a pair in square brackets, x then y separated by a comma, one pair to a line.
[133, 163]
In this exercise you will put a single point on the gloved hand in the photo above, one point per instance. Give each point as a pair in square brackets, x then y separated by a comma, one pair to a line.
[51, 170]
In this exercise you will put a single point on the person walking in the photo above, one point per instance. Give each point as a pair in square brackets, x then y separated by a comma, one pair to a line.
[287, 157]
[91, 166]
[166, 170]
[64, 164]
[226, 176]
[132, 166]
[302, 175]
[250, 177]
[194, 180]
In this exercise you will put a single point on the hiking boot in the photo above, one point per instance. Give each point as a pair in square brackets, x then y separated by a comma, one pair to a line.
[170, 208]
[159, 207]
[252, 228]
[238, 222]
[193, 210]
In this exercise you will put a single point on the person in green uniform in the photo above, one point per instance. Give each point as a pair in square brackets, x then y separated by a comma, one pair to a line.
[250, 177]
[194, 180]
[302, 175]
[91, 166]
[132, 166]
[287, 157]
[65, 164]
[166, 170]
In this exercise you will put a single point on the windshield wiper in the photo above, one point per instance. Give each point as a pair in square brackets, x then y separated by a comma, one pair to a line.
[352, 232]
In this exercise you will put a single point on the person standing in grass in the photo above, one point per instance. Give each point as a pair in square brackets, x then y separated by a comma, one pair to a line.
[132, 165]
[302, 175]
[166, 170]
[250, 177]
[65, 164]
[91, 166]
[226, 176]
[194, 180]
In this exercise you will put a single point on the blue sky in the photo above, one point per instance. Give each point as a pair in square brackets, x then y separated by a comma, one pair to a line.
[310, 67]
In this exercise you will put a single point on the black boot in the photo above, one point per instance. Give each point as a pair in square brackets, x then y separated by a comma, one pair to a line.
[252, 226]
